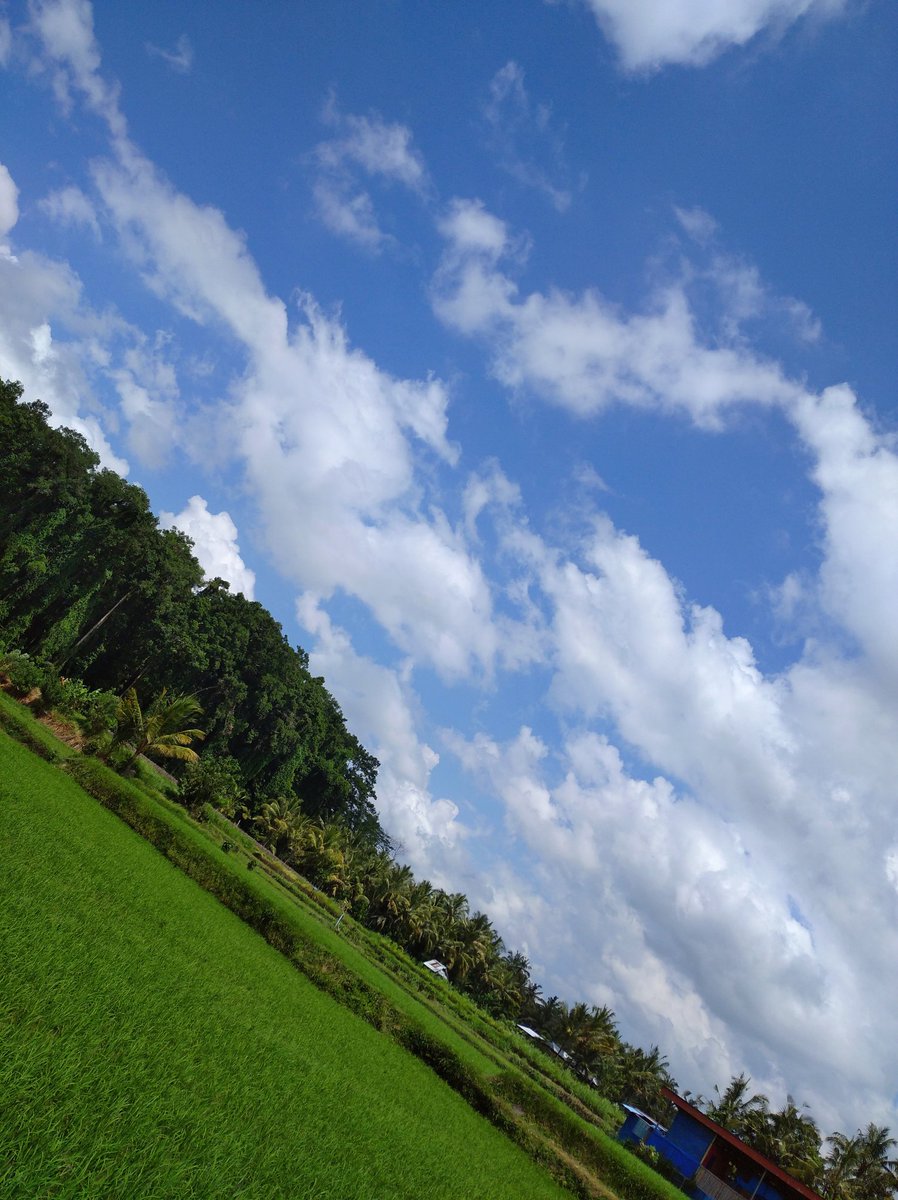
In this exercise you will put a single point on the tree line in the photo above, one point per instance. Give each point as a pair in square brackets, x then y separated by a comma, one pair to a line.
[109, 613]
[92, 588]
[859, 1166]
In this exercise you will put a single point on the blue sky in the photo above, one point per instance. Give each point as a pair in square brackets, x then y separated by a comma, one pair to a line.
[534, 364]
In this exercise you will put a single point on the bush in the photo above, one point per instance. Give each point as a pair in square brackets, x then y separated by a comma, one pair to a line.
[23, 672]
[52, 690]
[214, 780]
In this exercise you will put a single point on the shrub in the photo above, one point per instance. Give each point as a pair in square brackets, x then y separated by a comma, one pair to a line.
[214, 780]
[52, 690]
[23, 672]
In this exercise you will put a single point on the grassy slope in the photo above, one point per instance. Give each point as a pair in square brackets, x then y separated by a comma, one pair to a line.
[151, 1045]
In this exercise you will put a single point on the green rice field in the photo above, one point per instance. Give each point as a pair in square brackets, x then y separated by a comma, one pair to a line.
[152, 1045]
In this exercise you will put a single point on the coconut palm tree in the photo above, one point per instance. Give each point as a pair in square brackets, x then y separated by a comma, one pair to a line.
[280, 824]
[164, 729]
[792, 1139]
[876, 1167]
[738, 1109]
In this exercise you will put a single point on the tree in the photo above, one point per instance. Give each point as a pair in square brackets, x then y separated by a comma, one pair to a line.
[278, 823]
[162, 729]
[862, 1167]
[737, 1108]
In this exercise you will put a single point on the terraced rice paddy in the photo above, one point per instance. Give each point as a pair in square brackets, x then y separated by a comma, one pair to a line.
[151, 1045]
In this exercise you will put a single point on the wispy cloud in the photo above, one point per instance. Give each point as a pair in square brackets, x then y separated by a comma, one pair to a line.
[364, 147]
[522, 136]
[180, 58]
[70, 206]
[5, 42]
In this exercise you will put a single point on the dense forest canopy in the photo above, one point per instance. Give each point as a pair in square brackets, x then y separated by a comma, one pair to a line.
[89, 582]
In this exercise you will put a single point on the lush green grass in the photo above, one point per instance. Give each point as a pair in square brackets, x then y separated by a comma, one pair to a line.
[152, 1046]
[486, 1061]
[19, 721]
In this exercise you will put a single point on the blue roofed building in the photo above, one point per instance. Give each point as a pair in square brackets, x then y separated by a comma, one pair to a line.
[714, 1163]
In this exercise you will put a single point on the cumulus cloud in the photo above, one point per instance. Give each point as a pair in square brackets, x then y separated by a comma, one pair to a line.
[329, 440]
[179, 58]
[740, 867]
[381, 708]
[520, 134]
[214, 537]
[856, 470]
[649, 34]
[582, 352]
[39, 298]
[732, 864]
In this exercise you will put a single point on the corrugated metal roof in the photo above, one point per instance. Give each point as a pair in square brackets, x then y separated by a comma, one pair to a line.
[794, 1185]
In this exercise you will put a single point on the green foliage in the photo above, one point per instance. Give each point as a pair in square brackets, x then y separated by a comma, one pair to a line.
[163, 729]
[214, 780]
[23, 672]
[94, 710]
[89, 582]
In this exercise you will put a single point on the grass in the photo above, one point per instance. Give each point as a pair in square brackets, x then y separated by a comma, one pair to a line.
[20, 723]
[152, 1045]
[559, 1123]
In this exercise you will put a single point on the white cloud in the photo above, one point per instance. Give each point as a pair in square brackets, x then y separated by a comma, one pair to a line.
[214, 537]
[38, 297]
[740, 922]
[649, 34]
[582, 352]
[699, 224]
[379, 147]
[9, 201]
[857, 471]
[5, 42]
[521, 135]
[70, 206]
[148, 390]
[66, 31]
[326, 435]
[742, 903]
[348, 213]
[367, 146]
[380, 708]
[180, 58]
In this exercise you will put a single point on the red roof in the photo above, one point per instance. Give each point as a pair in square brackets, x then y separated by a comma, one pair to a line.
[794, 1185]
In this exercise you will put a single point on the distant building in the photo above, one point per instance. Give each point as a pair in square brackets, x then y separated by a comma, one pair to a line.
[438, 968]
[637, 1125]
[717, 1164]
